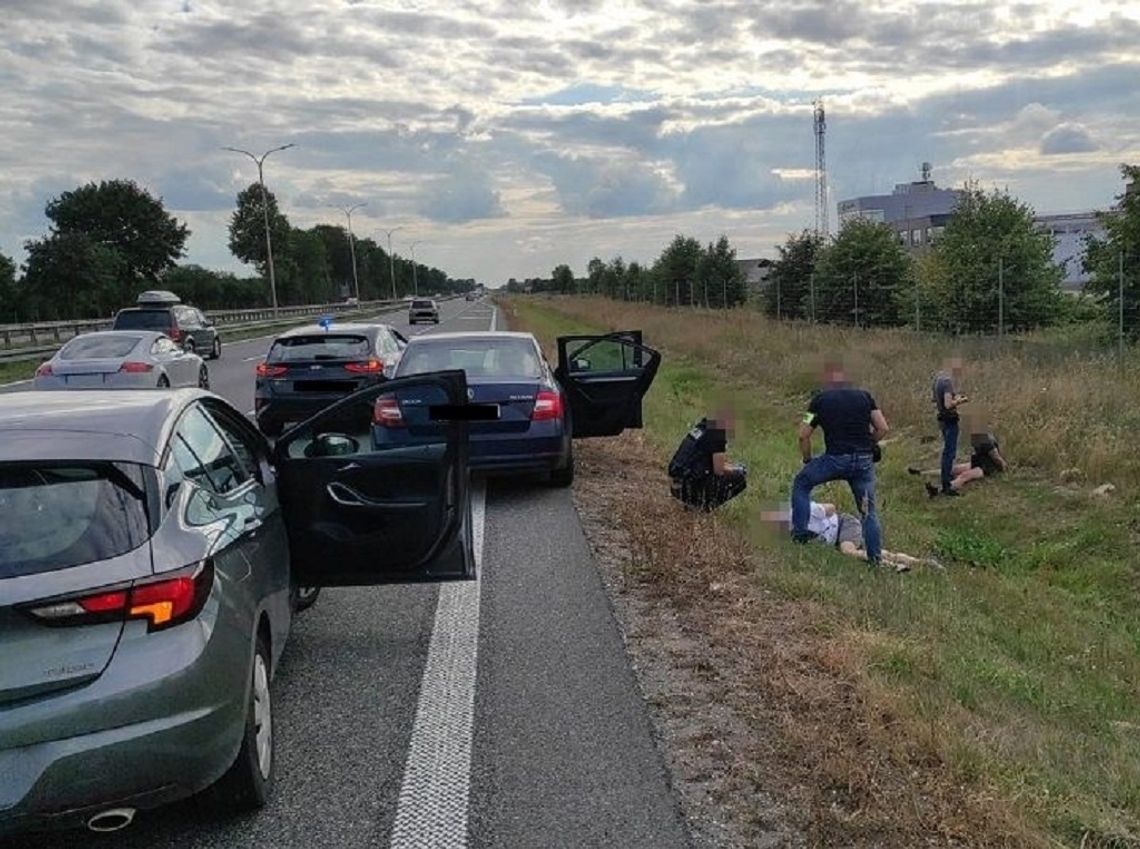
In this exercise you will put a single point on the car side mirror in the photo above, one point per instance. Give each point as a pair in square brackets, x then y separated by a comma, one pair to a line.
[581, 364]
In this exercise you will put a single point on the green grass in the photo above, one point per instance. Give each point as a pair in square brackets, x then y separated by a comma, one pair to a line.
[1024, 653]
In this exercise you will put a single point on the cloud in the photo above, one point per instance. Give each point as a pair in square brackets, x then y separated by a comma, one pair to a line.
[462, 196]
[604, 188]
[1067, 138]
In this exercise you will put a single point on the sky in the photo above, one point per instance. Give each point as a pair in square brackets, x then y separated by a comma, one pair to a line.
[507, 136]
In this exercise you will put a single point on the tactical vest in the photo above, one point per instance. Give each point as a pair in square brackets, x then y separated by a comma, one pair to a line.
[688, 458]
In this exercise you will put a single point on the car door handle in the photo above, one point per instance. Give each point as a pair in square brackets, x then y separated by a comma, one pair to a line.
[252, 523]
[346, 496]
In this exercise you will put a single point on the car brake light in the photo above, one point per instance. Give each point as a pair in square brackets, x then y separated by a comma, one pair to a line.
[266, 370]
[372, 366]
[162, 603]
[386, 412]
[547, 405]
[174, 333]
[44, 370]
[131, 367]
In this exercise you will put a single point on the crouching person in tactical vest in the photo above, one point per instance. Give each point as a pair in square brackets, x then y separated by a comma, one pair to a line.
[701, 476]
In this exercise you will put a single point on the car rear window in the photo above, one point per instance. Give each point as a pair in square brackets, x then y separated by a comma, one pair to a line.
[477, 357]
[319, 347]
[422, 305]
[92, 347]
[57, 515]
[144, 320]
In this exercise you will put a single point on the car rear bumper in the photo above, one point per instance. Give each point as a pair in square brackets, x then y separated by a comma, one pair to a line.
[295, 407]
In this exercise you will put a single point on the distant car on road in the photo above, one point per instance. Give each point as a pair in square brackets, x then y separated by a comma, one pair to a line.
[150, 549]
[113, 359]
[310, 367]
[532, 411]
[352, 302]
[472, 296]
[164, 311]
[423, 309]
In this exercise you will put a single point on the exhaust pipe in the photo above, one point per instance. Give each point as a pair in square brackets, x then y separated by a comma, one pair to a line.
[110, 820]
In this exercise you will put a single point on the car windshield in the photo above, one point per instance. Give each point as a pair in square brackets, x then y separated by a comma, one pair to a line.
[57, 515]
[318, 347]
[93, 347]
[144, 320]
[511, 357]
[422, 305]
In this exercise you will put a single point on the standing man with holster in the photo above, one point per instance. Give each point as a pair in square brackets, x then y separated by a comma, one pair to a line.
[946, 403]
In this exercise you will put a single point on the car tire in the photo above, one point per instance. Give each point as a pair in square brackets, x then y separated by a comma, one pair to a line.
[216, 350]
[246, 785]
[565, 476]
[189, 346]
[302, 598]
[163, 382]
[203, 377]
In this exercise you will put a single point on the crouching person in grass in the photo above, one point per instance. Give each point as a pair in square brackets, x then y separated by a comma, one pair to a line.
[700, 474]
[843, 531]
[986, 461]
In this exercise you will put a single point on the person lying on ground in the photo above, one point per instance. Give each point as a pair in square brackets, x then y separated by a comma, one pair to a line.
[844, 531]
[701, 477]
[985, 461]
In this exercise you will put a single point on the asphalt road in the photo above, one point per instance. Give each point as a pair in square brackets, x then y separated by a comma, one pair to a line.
[501, 713]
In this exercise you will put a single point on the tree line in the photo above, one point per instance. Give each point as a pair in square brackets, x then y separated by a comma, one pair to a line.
[111, 240]
[989, 269]
[685, 273]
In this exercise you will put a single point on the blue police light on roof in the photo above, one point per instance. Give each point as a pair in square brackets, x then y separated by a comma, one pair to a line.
[325, 321]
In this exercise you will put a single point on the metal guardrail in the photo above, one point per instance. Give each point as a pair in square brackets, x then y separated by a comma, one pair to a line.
[26, 341]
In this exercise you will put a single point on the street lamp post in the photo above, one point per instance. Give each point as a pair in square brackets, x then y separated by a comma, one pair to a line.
[415, 281]
[265, 212]
[391, 261]
[348, 210]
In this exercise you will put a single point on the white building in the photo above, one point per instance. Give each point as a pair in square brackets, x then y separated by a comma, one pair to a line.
[1070, 231]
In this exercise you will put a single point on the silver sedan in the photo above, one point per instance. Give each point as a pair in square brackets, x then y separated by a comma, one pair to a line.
[122, 359]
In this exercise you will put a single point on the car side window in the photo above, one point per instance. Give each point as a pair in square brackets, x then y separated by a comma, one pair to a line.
[212, 463]
[240, 440]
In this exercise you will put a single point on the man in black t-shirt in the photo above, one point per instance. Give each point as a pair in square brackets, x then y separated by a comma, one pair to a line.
[852, 426]
[701, 476]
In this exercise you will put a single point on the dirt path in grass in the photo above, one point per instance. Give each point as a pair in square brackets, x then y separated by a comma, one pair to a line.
[772, 736]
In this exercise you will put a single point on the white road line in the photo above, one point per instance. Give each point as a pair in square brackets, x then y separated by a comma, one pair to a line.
[433, 804]
[494, 316]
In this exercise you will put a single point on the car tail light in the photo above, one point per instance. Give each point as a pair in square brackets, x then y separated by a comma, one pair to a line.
[386, 412]
[131, 367]
[163, 603]
[44, 370]
[371, 366]
[547, 406]
[174, 333]
[266, 370]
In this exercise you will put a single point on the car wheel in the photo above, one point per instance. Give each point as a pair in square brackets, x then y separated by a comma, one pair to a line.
[189, 347]
[203, 377]
[564, 476]
[163, 382]
[247, 783]
[304, 597]
[216, 351]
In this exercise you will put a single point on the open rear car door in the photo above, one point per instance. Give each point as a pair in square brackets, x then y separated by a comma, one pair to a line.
[605, 378]
[361, 515]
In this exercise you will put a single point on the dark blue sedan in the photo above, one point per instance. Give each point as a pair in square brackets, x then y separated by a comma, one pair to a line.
[523, 413]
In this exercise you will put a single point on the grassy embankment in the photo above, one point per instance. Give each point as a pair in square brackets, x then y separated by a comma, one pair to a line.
[1019, 665]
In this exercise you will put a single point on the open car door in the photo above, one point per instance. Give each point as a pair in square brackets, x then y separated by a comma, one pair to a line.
[605, 378]
[360, 514]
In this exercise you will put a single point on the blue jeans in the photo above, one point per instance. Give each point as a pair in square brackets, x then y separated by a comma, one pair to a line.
[859, 472]
[949, 450]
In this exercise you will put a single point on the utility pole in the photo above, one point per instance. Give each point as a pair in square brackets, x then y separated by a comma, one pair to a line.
[260, 160]
[1001, 297]
[811, 292]
[1120, 297]
[856, 278]
[822, 224]
[348, 210]
[391, 261]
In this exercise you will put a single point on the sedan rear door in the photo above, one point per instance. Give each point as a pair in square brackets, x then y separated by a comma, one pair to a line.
[361, 513]
[605, 378]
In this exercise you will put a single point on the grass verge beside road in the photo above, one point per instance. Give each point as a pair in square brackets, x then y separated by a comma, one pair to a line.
[993, 704]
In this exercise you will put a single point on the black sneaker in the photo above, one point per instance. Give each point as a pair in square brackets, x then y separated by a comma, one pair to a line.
[951, 491]
[914, 470]
[931, 490]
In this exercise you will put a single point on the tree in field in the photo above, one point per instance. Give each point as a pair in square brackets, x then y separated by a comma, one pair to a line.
[677, 270]
[991, 265]
[720, 278]
[247, 229]
[863, 277]
[1103, 257]
[789, 290]
[311, 284]
[563, 279]
[121, 216]
[9, 296]
[69, 275]
[635, 280]
[595, 270]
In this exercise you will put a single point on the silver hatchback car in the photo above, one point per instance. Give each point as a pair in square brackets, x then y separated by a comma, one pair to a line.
[151, 549]
[122, 359]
